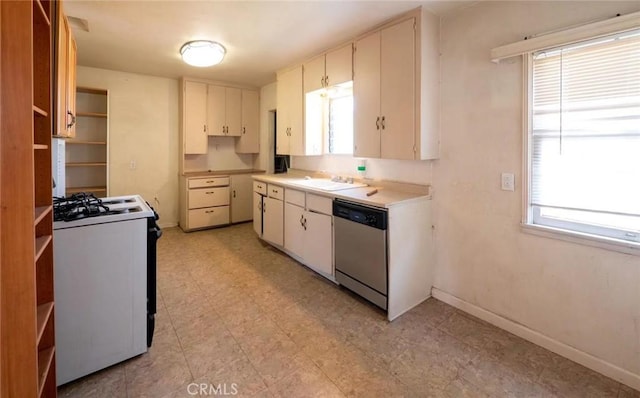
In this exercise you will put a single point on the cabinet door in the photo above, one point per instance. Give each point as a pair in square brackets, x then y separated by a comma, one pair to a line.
[296, 112]
[293, 229]
[249, 141]
[273, 220]
[233, 111]
[195, 118]
[366, 97]
[257, 213]
[339, 65]
[216, 109]
[71, 85]
[397, 91]
[282, 114]
[318, 249]
[314, 74]
[62, 78]
[241, 198]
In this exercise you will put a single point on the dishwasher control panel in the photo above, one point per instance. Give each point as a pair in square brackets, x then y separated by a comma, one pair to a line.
[373, 217]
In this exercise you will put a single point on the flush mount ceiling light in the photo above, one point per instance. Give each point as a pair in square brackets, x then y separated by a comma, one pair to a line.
[202, 53]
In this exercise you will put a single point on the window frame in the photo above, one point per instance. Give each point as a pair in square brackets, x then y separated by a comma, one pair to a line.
[560, 230]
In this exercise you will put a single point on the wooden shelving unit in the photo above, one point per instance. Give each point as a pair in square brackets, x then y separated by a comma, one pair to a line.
[27, 308]
[87, 154]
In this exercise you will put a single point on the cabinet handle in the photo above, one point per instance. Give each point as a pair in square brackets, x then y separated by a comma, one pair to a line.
[326, 81]
[322, 81]
[301, 217]
[73, 119]
[264, 207]
[378, 123]
[274, 190]
[209, 211]
[204, 128]
[210, 182]
[209, 193]
[244, 130]
[382, 122]
[234, 193]
[305, 224]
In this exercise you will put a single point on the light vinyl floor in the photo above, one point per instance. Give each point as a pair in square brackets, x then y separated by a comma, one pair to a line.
[235, 315]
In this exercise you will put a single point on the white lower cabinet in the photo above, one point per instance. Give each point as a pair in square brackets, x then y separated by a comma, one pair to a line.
[210, 216]
[273, 220]
[308, 234]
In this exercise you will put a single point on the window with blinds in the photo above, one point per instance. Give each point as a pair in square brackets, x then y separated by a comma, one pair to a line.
[585, 137]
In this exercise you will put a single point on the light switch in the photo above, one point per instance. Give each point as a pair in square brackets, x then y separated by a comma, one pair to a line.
[508, 182]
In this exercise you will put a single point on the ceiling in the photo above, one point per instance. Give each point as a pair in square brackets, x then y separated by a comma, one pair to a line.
[260, 36]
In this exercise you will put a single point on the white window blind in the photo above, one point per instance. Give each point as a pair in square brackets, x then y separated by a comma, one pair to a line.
[585, 136]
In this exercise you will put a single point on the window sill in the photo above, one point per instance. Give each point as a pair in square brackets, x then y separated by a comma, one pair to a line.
[617, 245]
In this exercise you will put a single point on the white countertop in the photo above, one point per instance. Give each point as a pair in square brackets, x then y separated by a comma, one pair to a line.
[384, 197]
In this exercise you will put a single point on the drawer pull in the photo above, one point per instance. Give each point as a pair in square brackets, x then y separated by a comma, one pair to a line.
[209, 193]
[210, 182]
[274, 190]
[209, 211]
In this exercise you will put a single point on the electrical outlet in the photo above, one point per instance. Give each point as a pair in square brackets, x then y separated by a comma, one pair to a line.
[508, 182]
[132, 165]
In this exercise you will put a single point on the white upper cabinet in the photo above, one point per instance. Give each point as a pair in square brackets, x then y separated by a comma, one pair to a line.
[194, 118]
[224, 111]
[396, 90]
[249, 141]
[290, 134]
[334, 67]
[339, 66]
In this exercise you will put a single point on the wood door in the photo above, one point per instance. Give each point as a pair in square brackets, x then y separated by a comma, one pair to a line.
[216, 110]
[71, 85]
[273, 220]
[398, 91]
[282, 115]
[318, 248]
[241, 198]
[293, 229]
[314, 74]
[249, 141]
[296, 113]
[257, 213]
[234, 111]
[339, 65]
[62, 78]
[195, 118]
[366, 97]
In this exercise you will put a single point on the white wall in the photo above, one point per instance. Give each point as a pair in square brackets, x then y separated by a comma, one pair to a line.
[584, 297]
[143, 127]
[264, 161]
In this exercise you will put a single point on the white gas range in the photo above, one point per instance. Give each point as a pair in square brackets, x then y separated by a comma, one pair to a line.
[105, 281]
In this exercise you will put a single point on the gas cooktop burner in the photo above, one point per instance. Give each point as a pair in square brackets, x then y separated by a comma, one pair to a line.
[77, 206]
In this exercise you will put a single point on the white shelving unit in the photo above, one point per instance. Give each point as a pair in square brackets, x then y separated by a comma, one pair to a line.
[87, 155]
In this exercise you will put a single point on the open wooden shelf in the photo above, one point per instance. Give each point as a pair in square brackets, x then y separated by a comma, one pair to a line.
[43, 313]
[81, 142]
[86, 164]
[90, 90]
[85, 189]
[40, 111]
[92, 114]
[41, 244]
[43, 13]
[45, 359]
[41, 212]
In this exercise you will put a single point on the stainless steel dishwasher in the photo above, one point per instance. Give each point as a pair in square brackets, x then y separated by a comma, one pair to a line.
[360, 234]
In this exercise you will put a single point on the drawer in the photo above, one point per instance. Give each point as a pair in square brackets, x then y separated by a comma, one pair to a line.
[294, 197]
[275, 191]
[208, 217]
[319, 204]
[260, 187]
[208, 197]
[208, 182]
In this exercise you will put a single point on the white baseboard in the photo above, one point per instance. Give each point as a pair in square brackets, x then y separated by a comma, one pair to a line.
[581, 357]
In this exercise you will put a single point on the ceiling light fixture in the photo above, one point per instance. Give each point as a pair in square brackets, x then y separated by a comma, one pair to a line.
[202, 53]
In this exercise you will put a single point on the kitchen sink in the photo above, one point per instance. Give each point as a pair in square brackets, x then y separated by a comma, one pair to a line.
[328, 185]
